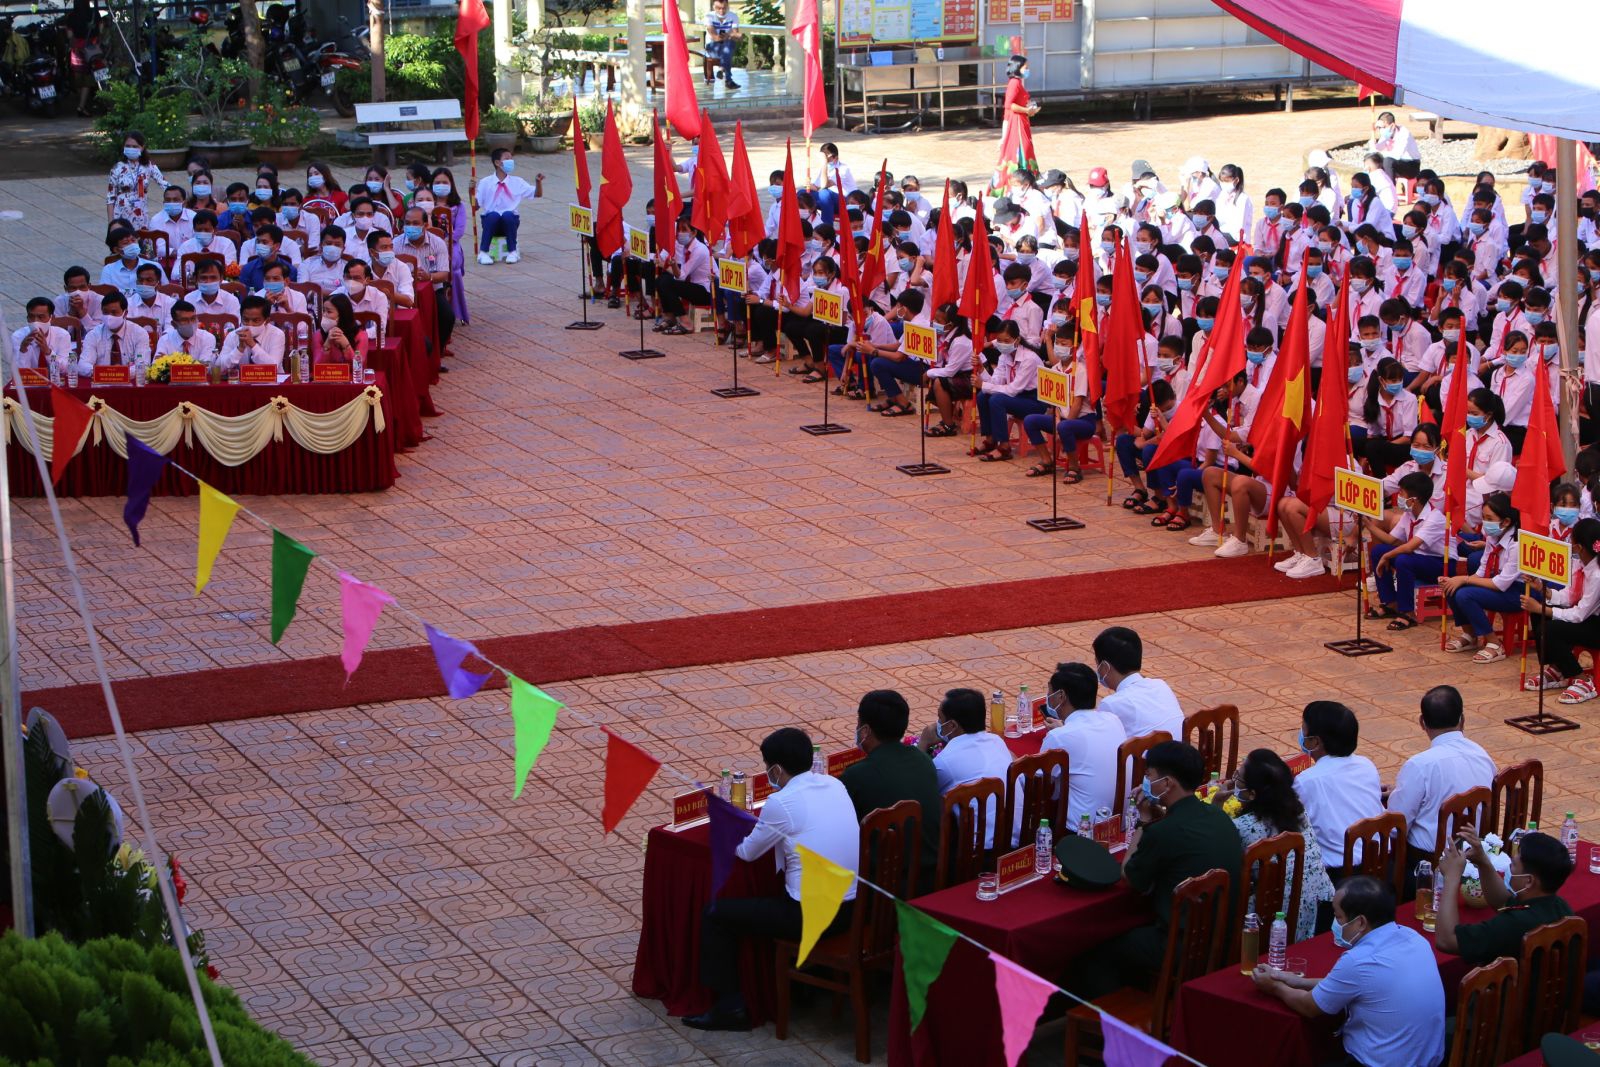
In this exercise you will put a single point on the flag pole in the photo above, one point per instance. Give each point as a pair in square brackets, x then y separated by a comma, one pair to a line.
[472, 154]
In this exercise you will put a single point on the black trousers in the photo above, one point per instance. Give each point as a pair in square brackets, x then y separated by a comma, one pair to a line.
[1516, 435]
[812, 337]
[726, 921]
[1560, 638]
[764, 325]
[675, 293]
[446, 315]
[1383, 455]
[1130, 959]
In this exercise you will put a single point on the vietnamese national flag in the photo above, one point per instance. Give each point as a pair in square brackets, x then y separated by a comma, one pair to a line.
[946, 271]
[978, 299]
[1454, 436]
[712, 188]
[1123, 347]
[873, 268]
[471, 20]
[1541, 461]
[616, 188]
[791, 240]
[580, 158]
[669, 201]
[683, 107]
[1221, 358]
[807, 32]
[849, 270]
[1284, 413]
[1328, 440]
[747, 224]
[1088, 318]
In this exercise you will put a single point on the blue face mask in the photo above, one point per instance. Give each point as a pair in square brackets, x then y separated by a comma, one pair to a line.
[209, 288]
[1475, 228]
[1103, 299]
[1502, 306]
[1314, 270]
[1449, 284]
[413, 233]
[291, 212]
[1205, 324]
[1393, 388]
[1307, 201]
[1026, 258]
[1219, 271]
[1516, 359]
[775, 191]
[1353, 375]
[508, 165]
[146, 292]
[273, 287]
[1402, 262]
[129, 251]
[1477, 422]
[237, 207]
[906, 265]
[1535, 317]
[264, 194]
[1300, 741]
[1423, 456]
[1430, 199]
[1058, 321]
[203, 238]
[1185, 284]
[1551, 353]
[132, 154]
[1140, 277]
[1201, 221]
[1148, 790]
[1015, 294]
[1565, 516]
[1108, 247]
[315, 181]
[1408, 231]
[1539, 216]
[172, 210]
[1492, 529]
[1256, 358]
[1338, 935]
[1270, 211]
[374, 186]
[202, 190]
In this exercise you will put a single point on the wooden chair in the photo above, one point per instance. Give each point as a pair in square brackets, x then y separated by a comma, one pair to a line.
[441, 221]
[891, 837]
[154, 244]
[1550, 973]
[106, 290]
[151, 327]
[218, 326]
[190, 260]
[1264, 875]
[1486, 1015]
[408, 259]
[313, 294]
[1471, 806]
[1029, 785]
[380, 208]
[1383, 849]
[386, 287]
[1196, 938]
[1518, 797]
[325, 210]
[299, 237]
[238, 289]
[172, 289]
[371, 318]
[964, 829]
[72, 324]
[1130, 765]
[296, 329]
[1205, 731]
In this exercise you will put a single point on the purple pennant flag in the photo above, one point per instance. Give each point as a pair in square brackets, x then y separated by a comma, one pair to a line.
[449, 652]
[145, 467]
[1127, 1047]
[729, 826]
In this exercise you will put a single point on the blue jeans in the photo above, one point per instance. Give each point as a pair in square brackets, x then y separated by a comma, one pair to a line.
[722, 52]
[1187, 484]
[731, 304]
[1129, 458]
[1471, 605]
[889, 373]
[500, 224]
[1163, 481]
[995, 408]
[1069, 430]
[1398, 587]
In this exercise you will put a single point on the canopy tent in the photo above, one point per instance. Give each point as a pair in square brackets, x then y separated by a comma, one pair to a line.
[1465, 59]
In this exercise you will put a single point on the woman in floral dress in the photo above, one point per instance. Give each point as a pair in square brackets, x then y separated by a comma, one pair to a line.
[1264, 787]
[131, 181]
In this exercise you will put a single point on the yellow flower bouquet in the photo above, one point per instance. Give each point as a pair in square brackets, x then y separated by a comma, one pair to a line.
[161, 370]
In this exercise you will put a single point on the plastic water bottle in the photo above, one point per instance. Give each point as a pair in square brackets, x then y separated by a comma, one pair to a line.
[997, 712]
[725, 785]
[1130, 821]
[1250, 944]
[1085, 825]
[55, 372]
[1278, 944]
[1024, 711]
[357, 371]
[1044, 852]
[305, 370]
[1013, 723]
[818, 764]
[141, 369]
[1569, 836]
[72, 371]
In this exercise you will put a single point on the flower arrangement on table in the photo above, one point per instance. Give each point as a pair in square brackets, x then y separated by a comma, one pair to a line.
[1471, 886]
[1209, 793]
[161, 370]
[231, 270]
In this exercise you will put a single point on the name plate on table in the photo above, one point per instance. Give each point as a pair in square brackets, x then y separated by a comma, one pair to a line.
[33, 377]
[330, 372]
[1108, 832]
[638, 243]
[827, 308]
[731, 275]
[1299, 762]
[691, 808]
[760, 789]
[259, 374]
[1055, 388]
[920, 342]
[1015, 869]
[188, 374]
[580, 220]
[1546, 558]
[120, 375]
[1038, 713]
[838, 761]
[1358, 493]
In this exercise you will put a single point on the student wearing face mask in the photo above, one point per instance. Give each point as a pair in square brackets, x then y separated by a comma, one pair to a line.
[950, 377]
[1012, 390]
[1514, 383]
[377, 187]
[683, 279]
[1510, 316]
[184, 335]
[1366, 292]
[1391, 416]
[1134, 451]
[326, 270]
[322, 185]
[1526, 899]
[1408, 554]
[499, 195]
[1566, 620]
[1494, 584]
[208, 296]
[390, 268]
[1260, 356]
[1386, 983]
[874, 352]
[1080, 421]
[114, 342]
[1235, 213]
[1364, 208]
[1017, 306]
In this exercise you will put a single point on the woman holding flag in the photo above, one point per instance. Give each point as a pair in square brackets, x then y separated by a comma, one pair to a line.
[1016, 139]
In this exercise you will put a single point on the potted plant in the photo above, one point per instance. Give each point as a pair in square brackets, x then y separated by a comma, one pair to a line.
[498, 128]
[281, 132]
[165, 125]
[215, 86]
[543, 130]
[593, 117]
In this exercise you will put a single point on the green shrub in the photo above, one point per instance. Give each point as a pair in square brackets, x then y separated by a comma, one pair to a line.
[498, 120]
[424, 67]
[122, 101]
[164, 121]
[111, 1002]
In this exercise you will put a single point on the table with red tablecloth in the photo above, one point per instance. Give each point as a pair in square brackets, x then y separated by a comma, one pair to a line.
[1041, 926]
[1026, 744]
[1213, 1011]
[1536, 1059]
[402, 358]
[283, 466]
[677, 888]
[417, 332]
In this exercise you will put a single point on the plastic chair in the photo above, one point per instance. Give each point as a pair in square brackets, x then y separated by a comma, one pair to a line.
[1030, 783]
[1130, 765]
[891, 838]
[1486, 1015]
[1383, 849]
[1205, 730]
[963, 829]
[1518, 797]
[1551, 974]
[1471, 805]
[1264, 875]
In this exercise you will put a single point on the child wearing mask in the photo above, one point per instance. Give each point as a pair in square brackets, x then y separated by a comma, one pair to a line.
[1514, 383]
[499, 194]
[1410, 553]
[1565, 620]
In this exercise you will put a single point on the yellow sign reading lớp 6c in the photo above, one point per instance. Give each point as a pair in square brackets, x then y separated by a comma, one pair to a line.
[580, 220]
[731, 275]
[1055, 388]
[1358, 493]
[920, 342]
[827, 308]
[1546, 558]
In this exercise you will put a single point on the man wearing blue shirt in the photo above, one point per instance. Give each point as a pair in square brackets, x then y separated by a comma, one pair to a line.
[1387, 982]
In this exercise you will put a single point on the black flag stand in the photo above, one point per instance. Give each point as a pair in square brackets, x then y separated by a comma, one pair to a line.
[583, 296]
[1359, 646]
[824, 428]
[1541, 721]
[737, 390]
[923, 468]
[1057, 522]
[641, 352]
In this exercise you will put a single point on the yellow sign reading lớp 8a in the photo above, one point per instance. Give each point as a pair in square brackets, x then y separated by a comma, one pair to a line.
[1055, 388]
[1547, 558]
[1357, 493]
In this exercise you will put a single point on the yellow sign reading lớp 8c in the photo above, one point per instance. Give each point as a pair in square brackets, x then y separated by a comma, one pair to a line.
[580, 220]
[920, 342]
[1357, 493]
[731, 275]
[1547, 558]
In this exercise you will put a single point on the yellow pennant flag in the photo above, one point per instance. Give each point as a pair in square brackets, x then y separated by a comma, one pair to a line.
[217, 512]
[823, 885]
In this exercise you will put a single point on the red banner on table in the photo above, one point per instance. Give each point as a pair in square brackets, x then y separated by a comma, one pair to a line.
[1299, 762]
[760, 788]
[109, 375]
[691, 807]
[1108, 832]
[1015, 868]
[188, 374]
[838, 761]
[33, 377]
[259, 374]
[330, 372]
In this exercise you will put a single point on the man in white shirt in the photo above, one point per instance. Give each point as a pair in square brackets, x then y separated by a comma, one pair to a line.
[1340, 788]
[498, 196]
[364, 296]
[281, 299]
[184, 335]
[208, 296]
[813, 810]
[77, 299]
[38, 343]
[1143, 704]
[256, 341]
[174, 220]
[147, 301]
[115, 341]
[1450, 764]
[388, 267]
[433, 266]
[123, 272]
[1089, 737]
[970, 752]
[325, 270]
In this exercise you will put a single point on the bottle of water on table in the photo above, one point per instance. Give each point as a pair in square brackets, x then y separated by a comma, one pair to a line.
[1278, 943]
[1044, 852]
[1569, 836]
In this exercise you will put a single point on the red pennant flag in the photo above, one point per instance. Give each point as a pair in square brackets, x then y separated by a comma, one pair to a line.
[1454, 435]
[747, 224]
[683, 107]
[1541, 461]
[580, 158]
[1284, 414]
[712, 189]
[471, 20]
[946, 271]
[807, 32]
[978, 299]
[1328, 441]
[1221, 358]
[72, 418]
[1088, 312]
[849, 269]
[873, 268]
[1124, 333]
[629, 769]
[791, 241]
[669, 202]
[616, 187]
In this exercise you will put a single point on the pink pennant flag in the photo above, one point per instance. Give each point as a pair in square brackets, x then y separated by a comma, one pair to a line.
[1127, 1047]
[361, 604]
[1022, 995]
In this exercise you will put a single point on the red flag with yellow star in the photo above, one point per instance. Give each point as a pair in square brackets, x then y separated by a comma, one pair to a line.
[669, 202]
[872, 266]
[1088, 311]
[1285, 411]
[791, 239]
[616, 188]
[580, 159]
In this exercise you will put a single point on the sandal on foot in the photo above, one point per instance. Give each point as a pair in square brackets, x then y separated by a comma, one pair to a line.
[1402, 622]
[1072, 477]
[1164, 518]
[812, 379]
[1139, 497]
[878, 408]
[944, 429]
[997, 455]
[1039, 470]
[1461, 643]
[1180, 522]
[1382, 612]
[1489, 653]
[894, 411]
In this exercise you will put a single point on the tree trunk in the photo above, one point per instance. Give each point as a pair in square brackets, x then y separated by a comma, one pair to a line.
[375, 42]
[255, 47]
[1495, 143]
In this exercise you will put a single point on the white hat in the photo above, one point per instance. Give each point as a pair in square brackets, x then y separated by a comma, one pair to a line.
[1166, 201]
[1319, 158]
[1195, 165]
[1499, 478]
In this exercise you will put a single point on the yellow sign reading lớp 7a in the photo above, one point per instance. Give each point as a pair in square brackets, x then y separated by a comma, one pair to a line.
[731, 275]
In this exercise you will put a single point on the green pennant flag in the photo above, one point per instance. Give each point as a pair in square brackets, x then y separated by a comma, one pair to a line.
[533, 716]
[290, 561]
[925, 944]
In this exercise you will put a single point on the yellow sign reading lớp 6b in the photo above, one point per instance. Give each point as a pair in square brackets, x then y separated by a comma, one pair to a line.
[920, 342]
[1358, 493]
[580, 220]
[1546, 558]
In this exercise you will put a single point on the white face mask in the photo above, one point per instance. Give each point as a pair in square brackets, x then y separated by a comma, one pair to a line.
[364, 222]
[355, 288]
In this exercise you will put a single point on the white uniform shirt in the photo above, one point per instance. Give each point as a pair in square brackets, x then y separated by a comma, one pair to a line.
[1338, 792]
[1428, 527]
[968, 757]
[1090, 738]
[91, 307]
[1515, 389]
[202, 347]
[398, 273]
[267, 348]
[813, 810]
[134, 342]
[159, 308]
[503, 195]
[57, 340]
[224, 303]
[1145, 705]
[1451, 764]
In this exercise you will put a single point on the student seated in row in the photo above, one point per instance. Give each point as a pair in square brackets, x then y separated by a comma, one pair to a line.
[1410, 553]
[1494, 584]
[950, 377]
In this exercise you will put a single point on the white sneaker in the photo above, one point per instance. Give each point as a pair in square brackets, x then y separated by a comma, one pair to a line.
[1205, 538]
[512, 257]
[1289, 564]
[1232, 548]
[765, 357]
[1308, 567]
[485, 258]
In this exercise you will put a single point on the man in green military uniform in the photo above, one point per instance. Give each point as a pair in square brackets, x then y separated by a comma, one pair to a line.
[893, 772]
[1525, 899]
[1178, 837]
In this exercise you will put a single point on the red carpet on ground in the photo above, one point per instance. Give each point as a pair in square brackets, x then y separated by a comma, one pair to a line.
[595, 651]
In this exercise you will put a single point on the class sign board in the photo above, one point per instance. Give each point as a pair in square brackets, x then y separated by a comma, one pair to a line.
[638, 243]
[1357, 493]
[920, 342]
[827, 307]
[1546, 558]
[1055, 388]
[731, 275]
[580, 220]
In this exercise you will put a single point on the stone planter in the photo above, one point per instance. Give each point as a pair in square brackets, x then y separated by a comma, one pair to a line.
[551, 143]
[282, 158]
[169, 159]
[499, 140]
[221, 153]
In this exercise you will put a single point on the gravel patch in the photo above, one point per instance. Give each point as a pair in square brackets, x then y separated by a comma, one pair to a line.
[1450, 157]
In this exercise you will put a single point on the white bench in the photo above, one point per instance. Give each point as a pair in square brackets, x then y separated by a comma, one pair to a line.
[435, 111]
[1427, 118]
